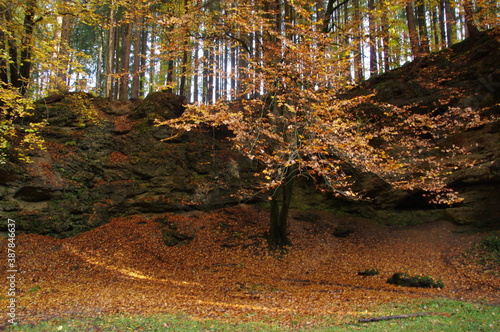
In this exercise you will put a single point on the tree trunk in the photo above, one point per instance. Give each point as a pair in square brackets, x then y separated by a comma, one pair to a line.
[280, 207]
[137, 56]
[125, 72]
[385, 37]
[435, 29]
[4, 72]
[412, 30]
[111, 53]
[471, 28]
[62, 71]
[358, 49]
[27, 40]
[422, 28]
[185, 56]
[373, 38]
[442, 24]
[451, 21]
[142, 63]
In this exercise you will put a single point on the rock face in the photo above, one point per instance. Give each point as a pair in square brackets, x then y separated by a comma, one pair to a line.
[462, 76]
[107, 158]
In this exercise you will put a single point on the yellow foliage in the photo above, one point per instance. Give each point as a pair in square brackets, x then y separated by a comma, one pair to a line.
[17, 140]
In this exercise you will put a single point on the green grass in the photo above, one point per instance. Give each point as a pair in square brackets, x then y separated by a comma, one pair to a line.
[447, 315]
[124, 323]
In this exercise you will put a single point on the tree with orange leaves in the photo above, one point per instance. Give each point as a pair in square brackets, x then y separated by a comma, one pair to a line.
[291, 120]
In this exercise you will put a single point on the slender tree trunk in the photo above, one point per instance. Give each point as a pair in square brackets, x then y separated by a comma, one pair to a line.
[4, 45]
[62, 71]
[12, 68]
[125, 72]
[111, 53]
[412, 29]
[185, 56]
[4, 74]
[442, 24]
[373, 38]
[134, 93]
[358, 63]
[184, 66]
[435, 29]
[118, 60]
[142, 70]
[26, 50]
[471, 28]
[385, 37]
[99, 72]
[422, 28]
[451, 23]
[234, 71]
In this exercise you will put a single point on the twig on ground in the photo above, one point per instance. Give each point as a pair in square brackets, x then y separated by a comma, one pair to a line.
[376, 319]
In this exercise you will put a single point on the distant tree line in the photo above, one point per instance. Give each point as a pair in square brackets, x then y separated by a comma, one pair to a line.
[201, 49]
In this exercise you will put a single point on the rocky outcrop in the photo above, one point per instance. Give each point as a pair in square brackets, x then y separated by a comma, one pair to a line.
[466, 75]
[106, 159]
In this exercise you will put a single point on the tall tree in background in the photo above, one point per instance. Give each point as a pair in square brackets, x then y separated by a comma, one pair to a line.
[373, 37]
[471, 28]
[18, 42]
[412, 29]
[423, 36]
[451, 27]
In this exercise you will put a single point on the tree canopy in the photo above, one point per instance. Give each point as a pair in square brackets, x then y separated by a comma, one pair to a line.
[203, 49]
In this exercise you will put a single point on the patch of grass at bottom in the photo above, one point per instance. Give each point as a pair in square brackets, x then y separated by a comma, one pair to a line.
[447, 315]
[124, 323]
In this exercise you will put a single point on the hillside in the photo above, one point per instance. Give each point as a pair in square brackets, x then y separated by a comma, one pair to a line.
[466, 75]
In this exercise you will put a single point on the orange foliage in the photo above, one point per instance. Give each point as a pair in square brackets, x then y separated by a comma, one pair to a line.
[300, 124]
[122, 123]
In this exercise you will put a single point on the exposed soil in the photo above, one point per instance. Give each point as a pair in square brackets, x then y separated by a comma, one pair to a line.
[226, 271]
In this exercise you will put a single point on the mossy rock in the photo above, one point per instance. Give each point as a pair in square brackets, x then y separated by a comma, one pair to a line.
[405, 280]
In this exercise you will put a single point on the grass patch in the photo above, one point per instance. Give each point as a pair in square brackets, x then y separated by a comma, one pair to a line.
[141, 323]
[445, 315]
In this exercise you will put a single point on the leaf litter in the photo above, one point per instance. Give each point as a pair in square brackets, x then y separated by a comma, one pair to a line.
[226, 271]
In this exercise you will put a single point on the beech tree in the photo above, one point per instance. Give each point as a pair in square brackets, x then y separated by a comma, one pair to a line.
[297, 126]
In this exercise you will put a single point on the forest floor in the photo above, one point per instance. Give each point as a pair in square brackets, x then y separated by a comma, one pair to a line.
[226, 271]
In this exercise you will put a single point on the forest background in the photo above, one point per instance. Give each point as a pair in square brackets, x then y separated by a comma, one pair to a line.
[204, 49]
